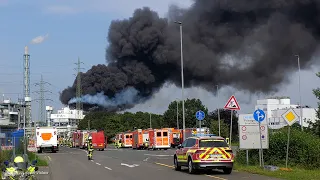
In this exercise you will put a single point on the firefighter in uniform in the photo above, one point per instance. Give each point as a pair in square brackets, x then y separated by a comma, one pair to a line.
[90, 148]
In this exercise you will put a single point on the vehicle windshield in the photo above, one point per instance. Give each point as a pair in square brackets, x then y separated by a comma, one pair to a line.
[213, 143]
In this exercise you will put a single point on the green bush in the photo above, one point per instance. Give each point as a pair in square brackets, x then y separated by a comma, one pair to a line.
[304, 150]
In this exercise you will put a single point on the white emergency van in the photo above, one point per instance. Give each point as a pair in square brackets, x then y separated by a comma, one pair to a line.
[47, 139]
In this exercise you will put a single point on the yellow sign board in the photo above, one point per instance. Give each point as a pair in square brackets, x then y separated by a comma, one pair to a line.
[290, 117]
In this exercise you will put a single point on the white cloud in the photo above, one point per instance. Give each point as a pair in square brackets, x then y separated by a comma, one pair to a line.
[61, 10]
[39, 39]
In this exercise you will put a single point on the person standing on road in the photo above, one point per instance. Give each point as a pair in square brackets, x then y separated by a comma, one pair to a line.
[90, 148]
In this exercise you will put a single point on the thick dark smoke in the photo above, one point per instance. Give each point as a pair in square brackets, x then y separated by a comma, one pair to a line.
[250, 45]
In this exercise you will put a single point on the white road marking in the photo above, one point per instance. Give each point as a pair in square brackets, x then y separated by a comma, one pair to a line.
[146, 159]
[158, 155]
[108, 168]
[98, 164]
[131, 166]
[92, 161]
[49, 158]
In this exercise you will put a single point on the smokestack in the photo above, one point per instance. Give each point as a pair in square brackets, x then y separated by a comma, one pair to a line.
[26, 50]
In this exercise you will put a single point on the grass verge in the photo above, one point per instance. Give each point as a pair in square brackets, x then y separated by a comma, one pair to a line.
[41, 161]
[294, 174]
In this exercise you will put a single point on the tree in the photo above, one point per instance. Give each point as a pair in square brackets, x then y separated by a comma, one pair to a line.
[191, 107]
[314, 127]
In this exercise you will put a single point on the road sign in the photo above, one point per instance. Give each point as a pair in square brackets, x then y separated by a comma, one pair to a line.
[290, 116]
[244, 137]
[259, 115]
[200, 115]
[244, 128]
[252, 132]
[232, 104]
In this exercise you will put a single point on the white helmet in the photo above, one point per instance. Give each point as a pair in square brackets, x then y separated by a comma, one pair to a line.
[90, 137]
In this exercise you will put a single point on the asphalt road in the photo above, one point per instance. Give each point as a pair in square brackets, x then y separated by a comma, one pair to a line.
[125, 164]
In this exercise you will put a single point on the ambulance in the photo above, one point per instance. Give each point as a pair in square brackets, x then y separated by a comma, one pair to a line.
[46, 139]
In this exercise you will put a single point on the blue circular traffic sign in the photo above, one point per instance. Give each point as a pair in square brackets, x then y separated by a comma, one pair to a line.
[259, 115]
[200, 115]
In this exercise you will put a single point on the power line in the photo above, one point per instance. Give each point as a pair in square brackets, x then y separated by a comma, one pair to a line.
[79, 93]
[42, 98]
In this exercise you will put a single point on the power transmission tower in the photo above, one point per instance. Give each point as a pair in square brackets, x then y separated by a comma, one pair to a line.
[79, 93]
[42, 98]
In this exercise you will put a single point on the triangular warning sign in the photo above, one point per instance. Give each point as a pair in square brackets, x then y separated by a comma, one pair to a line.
[232, 104]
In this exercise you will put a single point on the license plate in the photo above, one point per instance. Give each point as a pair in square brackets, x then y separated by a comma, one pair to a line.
[94, 144]
[215, 156]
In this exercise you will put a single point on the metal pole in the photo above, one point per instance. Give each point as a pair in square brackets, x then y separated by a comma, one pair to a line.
[231, 127]
[182, 87]
[177, 114]
[301, 119]
[261, 150]
[218, 112]
[24, 131]
[247, 156]
[288, 142]
[150, 121]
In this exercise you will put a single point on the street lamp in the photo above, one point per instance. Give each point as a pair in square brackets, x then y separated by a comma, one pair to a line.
[301, 119]
[182, 82]
[177, 113]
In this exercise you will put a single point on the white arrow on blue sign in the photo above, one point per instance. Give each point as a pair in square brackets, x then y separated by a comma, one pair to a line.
[259, 115]
[200, 115]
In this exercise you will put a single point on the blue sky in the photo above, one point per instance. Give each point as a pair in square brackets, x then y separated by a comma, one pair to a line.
[79, 28]
[62, 31]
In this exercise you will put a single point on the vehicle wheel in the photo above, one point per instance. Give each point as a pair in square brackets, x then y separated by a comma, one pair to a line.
[191, 168]
[176, 164]
[102, 149]
[227, 170]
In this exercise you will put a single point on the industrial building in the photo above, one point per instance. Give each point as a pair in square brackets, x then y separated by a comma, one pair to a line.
[11, 118]
[66, 119]
[275, 107]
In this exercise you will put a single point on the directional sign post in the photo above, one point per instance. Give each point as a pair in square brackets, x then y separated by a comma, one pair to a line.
[200, 115]
[259, 116]
[232, 105]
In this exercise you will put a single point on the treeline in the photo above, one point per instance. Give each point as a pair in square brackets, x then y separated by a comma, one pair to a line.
[113, 123]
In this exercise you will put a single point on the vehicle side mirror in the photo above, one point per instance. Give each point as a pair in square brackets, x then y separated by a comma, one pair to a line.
[34, 162]
[6, 163]
[36, 168]
[179, 146]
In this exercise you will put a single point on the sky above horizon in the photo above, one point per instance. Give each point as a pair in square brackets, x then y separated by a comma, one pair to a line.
[58, 32]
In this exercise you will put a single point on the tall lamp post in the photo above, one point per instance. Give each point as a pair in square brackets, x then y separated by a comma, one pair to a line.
[301, 119]
[182, 83]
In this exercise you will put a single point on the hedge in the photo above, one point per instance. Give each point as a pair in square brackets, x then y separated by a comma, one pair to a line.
[304, 150]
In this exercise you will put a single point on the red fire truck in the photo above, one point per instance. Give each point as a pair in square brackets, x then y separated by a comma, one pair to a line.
[99, 141]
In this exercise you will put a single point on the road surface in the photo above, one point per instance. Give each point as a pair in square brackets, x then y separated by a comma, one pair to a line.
[125, 164]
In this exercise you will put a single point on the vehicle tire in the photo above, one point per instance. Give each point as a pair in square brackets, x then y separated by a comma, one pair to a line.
[227, 170]
[191, 169]
[176, 164]
[102, 149]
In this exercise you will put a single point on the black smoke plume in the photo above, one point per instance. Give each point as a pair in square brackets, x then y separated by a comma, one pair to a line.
[250, 45]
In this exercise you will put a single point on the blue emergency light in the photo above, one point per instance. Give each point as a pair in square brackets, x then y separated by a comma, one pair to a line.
[203, 135]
